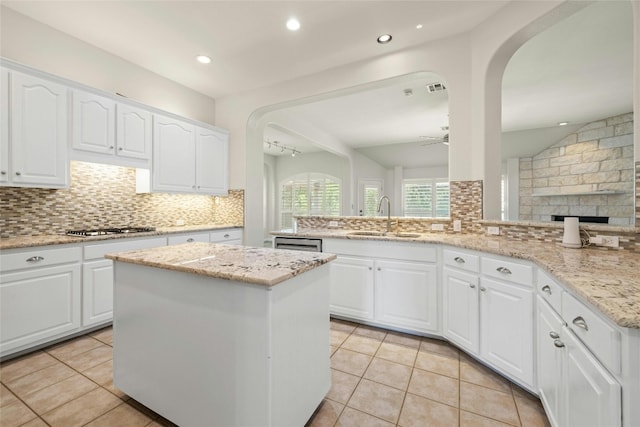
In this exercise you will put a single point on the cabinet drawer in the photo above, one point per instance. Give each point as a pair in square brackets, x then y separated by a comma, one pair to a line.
[549, 290]
[461, 260]
[381, 249]
[188, 238]
[222, 236]
[92, 252]
[39, 257]
[601, 338]
[507, 270]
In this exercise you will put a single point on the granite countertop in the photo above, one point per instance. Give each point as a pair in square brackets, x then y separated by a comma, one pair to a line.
[62, 239]
[609, 280]
[261, 266]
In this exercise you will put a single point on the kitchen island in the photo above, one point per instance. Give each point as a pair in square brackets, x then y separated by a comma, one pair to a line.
[222, 335]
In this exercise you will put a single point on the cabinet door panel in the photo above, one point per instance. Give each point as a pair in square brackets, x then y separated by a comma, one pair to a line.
[173, 155]
[38, 131]
[133, 132]
[211, 162]
[351, 292]
[38, 304]
[506, 319]
[93, 123]
[4, 125]
[549, 363]
[97, 292]
[407, 295]
[461, 305]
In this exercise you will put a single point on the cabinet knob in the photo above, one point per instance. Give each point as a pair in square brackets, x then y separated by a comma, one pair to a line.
[503, 270]
[18, 173]
[190, 239]
[554, 335]
[482, 288]
[36, 258]
[472, 286]
[120, 148]
[581, 323]
[198, 187]
[226, 236]
[111, 147]
[3, 172]
[546, 289]
[558, 343]
[193, 186]
[379, 269]
[370, 268]
[459, 260]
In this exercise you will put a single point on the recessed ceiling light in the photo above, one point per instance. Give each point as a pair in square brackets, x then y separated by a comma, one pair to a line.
[203, 59]
[293, 24]
[385, 38]
[419, 27]
[563, 123]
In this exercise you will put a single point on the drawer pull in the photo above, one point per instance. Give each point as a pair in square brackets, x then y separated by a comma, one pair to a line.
[558, 343]
[472, 286]
[18, 173]
[503, 270]
[554, 335]
[546, 289]
[581, 323]
[459, 260]
[3, 172]
[226, 236]
[190, 239]
[482, 288]
[370, 268]
[36, 258]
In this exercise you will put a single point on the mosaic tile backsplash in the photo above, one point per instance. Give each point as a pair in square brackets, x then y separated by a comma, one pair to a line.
[104, 196]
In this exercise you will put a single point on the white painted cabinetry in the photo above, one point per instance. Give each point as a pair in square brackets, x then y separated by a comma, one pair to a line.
[212, 160]
[188, 238]
[36, 144]
[4, 126]
[133, 132]
[39, 296]
[352, 287]
[461, 310]
[93, 123]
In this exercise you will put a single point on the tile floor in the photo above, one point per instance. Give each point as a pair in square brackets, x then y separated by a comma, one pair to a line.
[379, 378]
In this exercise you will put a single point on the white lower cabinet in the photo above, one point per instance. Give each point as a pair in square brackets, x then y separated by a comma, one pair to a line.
[461, 310]
[230, 236]
[352, 288]
[549, 362]
[188, 238]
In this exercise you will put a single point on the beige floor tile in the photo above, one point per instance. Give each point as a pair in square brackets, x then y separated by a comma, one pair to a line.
[58, 394]
[476, 373]
[467, 419]
[342, 386]
[488, 403]
[362, 344]
[68, 349]
[15, 414]
[102, 373]
[6, 397]
[36, 422]
[371, 332]
[438, 346]
[342, 325]
[420, 412]
[40, 379]
[397, 353]
[389, 373]
[444, 364]
[531, 412]
[94, 357]
[378, 400]
[332, 349]
[406, 340]
[326, 415]
[25, 365]
[350, 362]
[436, 387]
[353, 418]
[121, 416]
[80, 411]
[105, 335]
[337, 337]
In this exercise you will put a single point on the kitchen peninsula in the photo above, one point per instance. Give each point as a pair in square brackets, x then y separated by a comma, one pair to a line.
[211, 334]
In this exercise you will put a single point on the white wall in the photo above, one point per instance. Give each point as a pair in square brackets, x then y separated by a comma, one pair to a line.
[42, 47]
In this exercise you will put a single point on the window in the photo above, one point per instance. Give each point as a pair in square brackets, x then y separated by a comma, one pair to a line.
[425, 197]
[369, 193]
[309, 194]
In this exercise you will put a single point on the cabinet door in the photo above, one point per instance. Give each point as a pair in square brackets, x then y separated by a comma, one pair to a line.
[506, 336]
[211, 161]
[593, 396]
[97, 292]
[37, 305]
[4, 125]
[351, 291]
[461, 309]
[407, 295]
[188, 238]
[38, 137]
[134, 137]
[549, 363]
[174, 153]
[94, 123]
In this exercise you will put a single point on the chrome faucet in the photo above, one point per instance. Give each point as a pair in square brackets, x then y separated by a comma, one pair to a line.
[388, 211]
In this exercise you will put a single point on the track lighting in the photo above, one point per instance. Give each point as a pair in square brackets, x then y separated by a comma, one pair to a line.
[282, 147]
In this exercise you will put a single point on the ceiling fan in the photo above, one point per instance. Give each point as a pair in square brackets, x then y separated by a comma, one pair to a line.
[431, 140]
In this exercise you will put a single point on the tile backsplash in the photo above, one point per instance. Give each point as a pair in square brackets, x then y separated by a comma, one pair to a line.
[104, 196]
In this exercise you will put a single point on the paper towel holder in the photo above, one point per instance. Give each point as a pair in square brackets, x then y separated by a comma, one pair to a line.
[571, 235]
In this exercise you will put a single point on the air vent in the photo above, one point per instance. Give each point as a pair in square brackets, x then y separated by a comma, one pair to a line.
[435, 87]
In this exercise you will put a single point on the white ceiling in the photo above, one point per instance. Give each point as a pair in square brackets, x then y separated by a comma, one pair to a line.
[577, 71]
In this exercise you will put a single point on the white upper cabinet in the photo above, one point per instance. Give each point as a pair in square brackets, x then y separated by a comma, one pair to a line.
[94, 123]
[4, 125]
[211, 161]
[133, 136]
[37, 147]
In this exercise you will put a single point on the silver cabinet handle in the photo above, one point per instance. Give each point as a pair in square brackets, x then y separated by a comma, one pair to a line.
[503, 270]
[554, 335]
[581, 323]
[120, 148]
[459, 260]
[3, 172]
[558, 343]
[36, 258]
[18, 173]
[546, 289]
[226, 236]
[111, 147]
[482, 288]
[190, 239]
[472, 286]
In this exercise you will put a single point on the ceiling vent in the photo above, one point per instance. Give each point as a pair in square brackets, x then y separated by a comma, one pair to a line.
[435, 87]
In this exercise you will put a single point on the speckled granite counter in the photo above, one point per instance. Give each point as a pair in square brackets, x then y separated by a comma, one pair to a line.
[609, 280]
[260, 266]
[61, 239]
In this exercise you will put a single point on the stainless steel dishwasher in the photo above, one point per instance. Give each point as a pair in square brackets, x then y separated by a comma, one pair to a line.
[298, 243]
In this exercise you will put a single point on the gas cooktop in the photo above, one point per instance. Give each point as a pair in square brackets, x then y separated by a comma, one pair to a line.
[106, 231]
